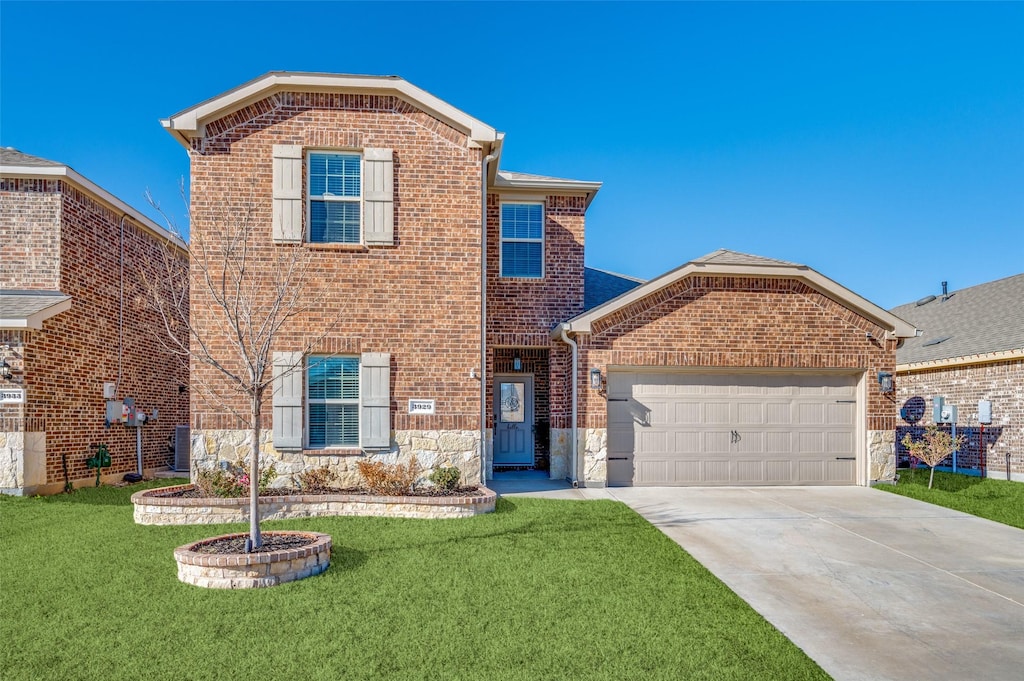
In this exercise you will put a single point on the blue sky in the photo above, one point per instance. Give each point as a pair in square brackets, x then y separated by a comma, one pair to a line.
[881, 144]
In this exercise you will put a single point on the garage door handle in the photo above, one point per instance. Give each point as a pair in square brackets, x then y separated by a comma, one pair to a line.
[617, 458]
[846, 458]
[846, 401]
[618, 399]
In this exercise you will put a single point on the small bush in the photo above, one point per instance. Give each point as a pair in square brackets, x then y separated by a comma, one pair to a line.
[445, 477]
[390, 479]
[218, 483]
[316, 479]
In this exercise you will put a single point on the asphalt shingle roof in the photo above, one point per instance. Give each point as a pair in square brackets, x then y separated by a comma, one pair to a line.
[600, 286]
[23, 304]
[9, 156]
[972, 321]
[727, 257]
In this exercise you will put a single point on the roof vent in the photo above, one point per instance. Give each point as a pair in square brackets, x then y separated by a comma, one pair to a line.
[936, 341]
[924, 301]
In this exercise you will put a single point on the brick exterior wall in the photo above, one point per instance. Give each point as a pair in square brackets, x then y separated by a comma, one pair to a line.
[418, 300]
[721, 322]
[29, 219]
[66, 363]
[1000, 382]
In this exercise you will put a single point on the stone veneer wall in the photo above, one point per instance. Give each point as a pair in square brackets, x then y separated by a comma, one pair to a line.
[561, 454]
[22, 462]
[433, 449]
[595, 457]
[881, 455]
[151, 509]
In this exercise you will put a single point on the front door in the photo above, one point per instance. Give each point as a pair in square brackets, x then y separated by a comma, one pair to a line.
[513, 420]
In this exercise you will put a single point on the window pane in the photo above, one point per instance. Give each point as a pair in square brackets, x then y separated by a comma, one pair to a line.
[522, 221]
[521, 259]
[333, 425]
[334, 222]
[335, 174]
[333, 378]
[512, 407]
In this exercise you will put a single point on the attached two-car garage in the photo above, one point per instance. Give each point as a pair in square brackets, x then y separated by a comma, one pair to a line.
[685, 428]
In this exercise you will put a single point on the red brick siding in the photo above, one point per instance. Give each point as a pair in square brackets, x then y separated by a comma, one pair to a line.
[29, 250]
[1000, 382]
[67, 362]
[418, 300]
[712, 322]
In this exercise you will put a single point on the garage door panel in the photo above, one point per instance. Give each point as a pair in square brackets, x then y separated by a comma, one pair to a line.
[720, 429]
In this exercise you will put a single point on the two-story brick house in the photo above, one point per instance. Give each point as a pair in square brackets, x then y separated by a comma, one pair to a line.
[76, 332]
[462, 328]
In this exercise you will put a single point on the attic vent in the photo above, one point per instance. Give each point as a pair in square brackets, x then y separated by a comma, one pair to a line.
[924, 301]
[936, 341]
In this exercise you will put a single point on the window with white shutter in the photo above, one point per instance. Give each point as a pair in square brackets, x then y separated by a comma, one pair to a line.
[287, 400]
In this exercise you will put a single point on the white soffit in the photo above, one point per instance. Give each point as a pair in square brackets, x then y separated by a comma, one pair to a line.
[191, 122]
[840, 294]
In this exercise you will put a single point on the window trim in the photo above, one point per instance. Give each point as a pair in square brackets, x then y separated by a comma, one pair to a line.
[502, 240]
[310, 360]
[307, 164]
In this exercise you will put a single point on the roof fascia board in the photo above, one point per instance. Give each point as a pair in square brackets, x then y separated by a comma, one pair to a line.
[588, 190]
[97, 192]
[35, 320]
[842, 295]
[966, 360]
[193, 120]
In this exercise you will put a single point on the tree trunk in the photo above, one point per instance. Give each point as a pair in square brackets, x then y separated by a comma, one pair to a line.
[254, 475]
[931, 476]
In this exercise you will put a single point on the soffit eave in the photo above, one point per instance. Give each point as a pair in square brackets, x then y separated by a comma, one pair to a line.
[894, 326]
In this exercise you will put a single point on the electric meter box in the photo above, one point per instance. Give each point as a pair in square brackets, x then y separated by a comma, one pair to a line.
[985, 412]
[114, 411]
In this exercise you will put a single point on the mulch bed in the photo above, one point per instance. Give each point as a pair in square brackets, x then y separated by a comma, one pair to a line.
[271, 542]
[459, 492]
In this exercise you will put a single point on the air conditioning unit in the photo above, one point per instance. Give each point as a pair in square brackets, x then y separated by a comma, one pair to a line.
[182, 448]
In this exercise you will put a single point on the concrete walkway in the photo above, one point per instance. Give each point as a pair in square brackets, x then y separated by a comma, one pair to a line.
[871, 585]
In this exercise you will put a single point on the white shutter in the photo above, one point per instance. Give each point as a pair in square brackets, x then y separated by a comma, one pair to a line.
[379, 197]
[287, 400]
[375, 400]
[287, 220]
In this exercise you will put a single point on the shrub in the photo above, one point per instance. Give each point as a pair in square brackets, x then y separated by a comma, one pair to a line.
[218, 483]
[445, 477]
[316, 479]
[390, 479]
[933, 448]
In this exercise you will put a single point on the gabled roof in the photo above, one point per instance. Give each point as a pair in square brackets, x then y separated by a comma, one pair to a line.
[29, 309]
[977, 323]
[14, 163]
[508, 180]
[732, 263]
[191, 122]
[600, 286]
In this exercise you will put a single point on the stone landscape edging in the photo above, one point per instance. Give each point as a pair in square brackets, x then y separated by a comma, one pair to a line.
[253, 570]
[152, 509]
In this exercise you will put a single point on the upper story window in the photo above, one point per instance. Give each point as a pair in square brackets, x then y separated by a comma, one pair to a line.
[522, 240]
[335, 197]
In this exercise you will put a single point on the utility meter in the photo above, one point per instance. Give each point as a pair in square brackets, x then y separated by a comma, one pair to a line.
[985, 412]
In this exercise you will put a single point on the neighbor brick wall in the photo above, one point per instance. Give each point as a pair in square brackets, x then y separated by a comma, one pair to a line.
[418, 300]
[29, 249]
[1000, 382]
[716, 321]
[67, 362]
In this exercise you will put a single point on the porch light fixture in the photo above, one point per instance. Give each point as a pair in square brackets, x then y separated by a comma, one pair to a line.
[5, 369]
[885, 382]
[517, 364]
[595, 379]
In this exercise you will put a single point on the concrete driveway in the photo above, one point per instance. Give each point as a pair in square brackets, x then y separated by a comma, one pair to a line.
[871, 585]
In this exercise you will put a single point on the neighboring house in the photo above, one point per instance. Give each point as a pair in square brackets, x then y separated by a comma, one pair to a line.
[972, 349]
[476, 347]
[72, 320]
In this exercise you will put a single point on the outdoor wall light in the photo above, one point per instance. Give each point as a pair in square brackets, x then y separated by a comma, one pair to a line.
[5, 369]
[885, 382]
[595, 379]
[517, 364]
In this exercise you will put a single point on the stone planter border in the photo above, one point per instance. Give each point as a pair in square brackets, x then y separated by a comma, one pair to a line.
[252, 570]
[151, 509]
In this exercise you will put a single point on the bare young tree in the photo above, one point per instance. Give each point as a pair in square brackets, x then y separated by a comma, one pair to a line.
[934, 447]
[223, 308]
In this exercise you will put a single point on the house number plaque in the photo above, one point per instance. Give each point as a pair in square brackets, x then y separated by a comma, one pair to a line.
[421, 406]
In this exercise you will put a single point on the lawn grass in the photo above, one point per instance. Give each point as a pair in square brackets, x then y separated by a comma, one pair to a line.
[540, 589]
[999, 500]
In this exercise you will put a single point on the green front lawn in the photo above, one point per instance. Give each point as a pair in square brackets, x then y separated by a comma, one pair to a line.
[541, 589]
[999, 500]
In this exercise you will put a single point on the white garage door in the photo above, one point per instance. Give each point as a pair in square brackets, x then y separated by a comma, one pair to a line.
[669, 428]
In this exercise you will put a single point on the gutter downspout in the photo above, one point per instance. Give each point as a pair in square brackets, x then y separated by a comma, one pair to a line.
[483, 315]
[573, 434]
